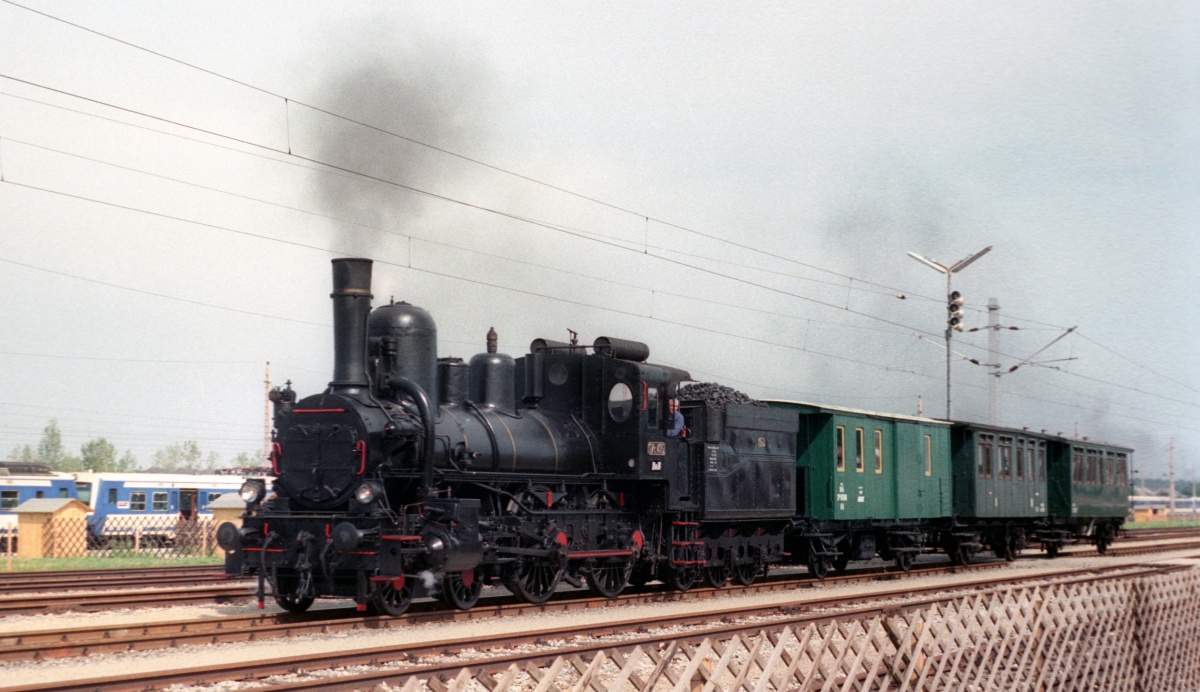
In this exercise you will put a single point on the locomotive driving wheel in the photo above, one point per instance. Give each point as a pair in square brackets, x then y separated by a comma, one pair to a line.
[533, 580]
[390, 598]
[461, 589]
[609, 578]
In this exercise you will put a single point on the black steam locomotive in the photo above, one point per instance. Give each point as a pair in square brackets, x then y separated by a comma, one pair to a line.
[413, 475]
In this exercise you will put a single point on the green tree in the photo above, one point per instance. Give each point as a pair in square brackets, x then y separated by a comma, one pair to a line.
[98, 455]
[127, 462]
[50, 450]
[182, 456]
[23, 453]
[247, 460]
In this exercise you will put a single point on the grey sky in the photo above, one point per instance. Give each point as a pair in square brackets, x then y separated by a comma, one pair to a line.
[828, 136]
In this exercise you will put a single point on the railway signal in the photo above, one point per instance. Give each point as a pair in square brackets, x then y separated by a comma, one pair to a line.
[955, 308]
[954, 320]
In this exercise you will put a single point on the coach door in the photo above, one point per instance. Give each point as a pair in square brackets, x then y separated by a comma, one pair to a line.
[187, 503]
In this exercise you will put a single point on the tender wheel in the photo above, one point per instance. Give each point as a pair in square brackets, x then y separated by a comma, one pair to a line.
[904, 560]
[609, 579]
[716, 576]
[642, 574]
[461, 589]
[534, 581]
[293, 603]
[683, 577]
[818, 567]
[388, 599]
[745, 574]
[841, 562]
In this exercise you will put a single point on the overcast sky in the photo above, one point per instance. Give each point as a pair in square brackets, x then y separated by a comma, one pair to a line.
[735, 184]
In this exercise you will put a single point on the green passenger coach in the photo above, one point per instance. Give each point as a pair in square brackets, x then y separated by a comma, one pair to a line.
[866, 483]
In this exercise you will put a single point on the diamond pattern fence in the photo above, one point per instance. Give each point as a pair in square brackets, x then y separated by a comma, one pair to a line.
[124, 536]
[1139, 634]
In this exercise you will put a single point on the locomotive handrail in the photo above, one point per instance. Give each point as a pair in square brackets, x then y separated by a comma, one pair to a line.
[423, 408]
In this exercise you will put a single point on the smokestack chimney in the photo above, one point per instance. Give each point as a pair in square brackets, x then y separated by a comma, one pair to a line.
[351, 307]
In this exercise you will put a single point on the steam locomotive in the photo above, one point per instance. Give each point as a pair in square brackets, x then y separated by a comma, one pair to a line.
[414, 475]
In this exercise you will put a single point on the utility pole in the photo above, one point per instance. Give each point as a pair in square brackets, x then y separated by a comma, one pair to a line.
[1171, 467]
[267, 416]
[954, 302]
[993, 361]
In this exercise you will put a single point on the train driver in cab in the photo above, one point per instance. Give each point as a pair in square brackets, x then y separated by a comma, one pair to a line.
[674, 418]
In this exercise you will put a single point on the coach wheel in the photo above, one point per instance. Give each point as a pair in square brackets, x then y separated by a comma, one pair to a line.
[533, 580]
[841, 562]
[716, 576]
[960, 554]
[818, 566]
[683, 577]
[905, 559]
[1102, 545]
[461, 589]
[389, 599]
[293, 603]
[609, 579]
[745, 573]
[1052, 549]
[1005, 547]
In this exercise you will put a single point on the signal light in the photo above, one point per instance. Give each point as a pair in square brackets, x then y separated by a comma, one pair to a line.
[955, 310]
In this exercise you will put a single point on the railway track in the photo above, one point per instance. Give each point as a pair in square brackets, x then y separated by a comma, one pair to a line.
[394, 663]
[83, 641]
[211, 587]
[101, 579]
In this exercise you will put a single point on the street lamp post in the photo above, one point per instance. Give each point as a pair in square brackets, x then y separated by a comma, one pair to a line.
[955, 302]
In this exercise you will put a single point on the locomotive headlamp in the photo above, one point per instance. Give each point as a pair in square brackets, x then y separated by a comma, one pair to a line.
[368, 492]
[252, 492]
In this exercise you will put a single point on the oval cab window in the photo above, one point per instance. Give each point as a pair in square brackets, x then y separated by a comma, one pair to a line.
[620, 402]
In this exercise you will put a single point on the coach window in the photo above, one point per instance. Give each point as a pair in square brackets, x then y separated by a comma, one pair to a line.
[928, 455]
[858, 451]
[1122, 470]
[112, 496]
[213, 496]
[841, 448]
[9, 498]
[160, 502]
[1077, 465]
[985, 456]
[63, 492]
[1020, 459]
[1041, 461]
[137, 502]
[1091, 467]
[878, 451]
[1006, 458]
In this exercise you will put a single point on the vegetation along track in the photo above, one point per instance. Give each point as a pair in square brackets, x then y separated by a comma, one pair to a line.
[394, 664]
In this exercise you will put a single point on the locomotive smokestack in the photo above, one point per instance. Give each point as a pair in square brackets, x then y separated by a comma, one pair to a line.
[351, 306]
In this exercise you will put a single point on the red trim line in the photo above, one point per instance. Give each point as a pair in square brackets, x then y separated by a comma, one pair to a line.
[400, 538]
[599, 553]
[259, 550]
[276, 455]
[644, 389]
[361, 448]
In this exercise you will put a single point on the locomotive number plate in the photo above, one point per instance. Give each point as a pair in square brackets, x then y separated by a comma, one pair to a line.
[656, 449]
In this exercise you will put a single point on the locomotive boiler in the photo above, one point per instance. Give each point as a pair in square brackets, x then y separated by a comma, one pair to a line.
[418, 475]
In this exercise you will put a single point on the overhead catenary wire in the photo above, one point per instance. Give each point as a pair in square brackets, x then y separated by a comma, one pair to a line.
[1133, 389]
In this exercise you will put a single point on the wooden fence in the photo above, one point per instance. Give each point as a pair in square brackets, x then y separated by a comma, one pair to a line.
[1138, 634]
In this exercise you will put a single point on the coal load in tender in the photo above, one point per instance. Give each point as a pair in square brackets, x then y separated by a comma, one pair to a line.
[715, 395]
